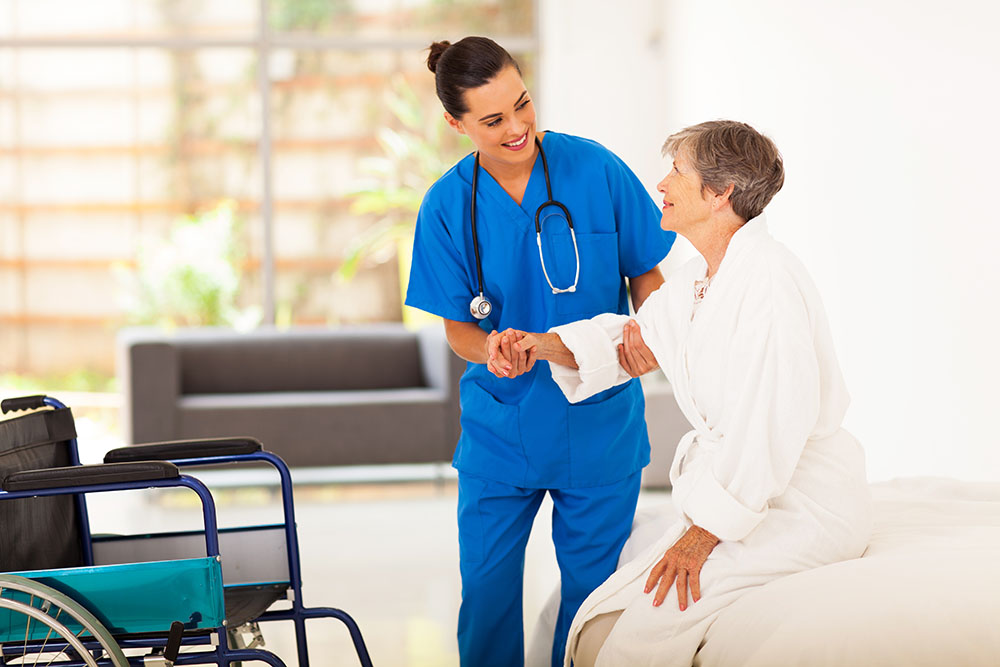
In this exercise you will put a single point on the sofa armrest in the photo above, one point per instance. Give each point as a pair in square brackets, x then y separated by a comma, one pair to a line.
[443, 369]
[667, 425]
[433, 360]
[149, 376]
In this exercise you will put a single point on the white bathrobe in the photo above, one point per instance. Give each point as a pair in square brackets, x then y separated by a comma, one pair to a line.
[767, 467]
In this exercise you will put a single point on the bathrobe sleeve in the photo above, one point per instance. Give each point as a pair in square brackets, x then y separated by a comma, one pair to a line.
[770, 386]
[594, 344]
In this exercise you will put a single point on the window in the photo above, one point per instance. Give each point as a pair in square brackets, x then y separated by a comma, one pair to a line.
[230, 162]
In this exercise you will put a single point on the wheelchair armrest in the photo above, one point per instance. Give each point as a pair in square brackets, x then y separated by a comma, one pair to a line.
[90, 475]
[184, 449]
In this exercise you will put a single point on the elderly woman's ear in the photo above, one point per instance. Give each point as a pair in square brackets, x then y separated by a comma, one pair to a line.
[721, 199]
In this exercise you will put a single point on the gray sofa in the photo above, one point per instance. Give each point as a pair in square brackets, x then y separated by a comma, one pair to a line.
[317, 397]
[321, 397]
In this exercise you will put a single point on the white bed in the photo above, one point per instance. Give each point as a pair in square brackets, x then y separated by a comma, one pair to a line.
[926, 592]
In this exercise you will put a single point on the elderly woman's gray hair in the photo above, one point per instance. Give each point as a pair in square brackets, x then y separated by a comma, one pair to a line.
[724, 152]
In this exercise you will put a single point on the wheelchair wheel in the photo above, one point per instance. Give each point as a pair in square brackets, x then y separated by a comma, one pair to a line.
[25, 603]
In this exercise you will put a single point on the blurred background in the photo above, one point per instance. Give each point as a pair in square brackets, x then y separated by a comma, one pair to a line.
[251, 162]
[259, 163]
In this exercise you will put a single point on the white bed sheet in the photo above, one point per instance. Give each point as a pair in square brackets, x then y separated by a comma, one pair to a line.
[926, 592]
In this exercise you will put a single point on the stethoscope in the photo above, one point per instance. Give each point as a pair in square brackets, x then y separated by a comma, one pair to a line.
[481, 306]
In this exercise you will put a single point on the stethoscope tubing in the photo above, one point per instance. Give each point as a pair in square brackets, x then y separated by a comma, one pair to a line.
[477, 304]
[541, 256]
[475, 234]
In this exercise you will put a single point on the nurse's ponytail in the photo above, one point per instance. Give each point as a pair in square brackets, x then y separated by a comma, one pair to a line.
[468, 63]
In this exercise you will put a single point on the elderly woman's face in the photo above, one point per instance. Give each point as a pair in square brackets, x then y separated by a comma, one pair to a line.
[684, 203]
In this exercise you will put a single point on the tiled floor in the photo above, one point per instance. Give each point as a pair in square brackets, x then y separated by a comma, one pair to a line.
[385, 553]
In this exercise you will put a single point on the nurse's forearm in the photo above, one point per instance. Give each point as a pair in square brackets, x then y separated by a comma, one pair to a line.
[550, 347]
[467, 340]
[644, 285]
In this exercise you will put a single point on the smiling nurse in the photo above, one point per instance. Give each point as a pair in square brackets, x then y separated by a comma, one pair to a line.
[531, 231]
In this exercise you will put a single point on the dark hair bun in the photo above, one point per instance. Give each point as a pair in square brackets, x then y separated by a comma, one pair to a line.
[472, 62]
[436, 49]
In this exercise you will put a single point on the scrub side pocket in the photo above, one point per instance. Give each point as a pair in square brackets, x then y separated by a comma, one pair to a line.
[608, 440]
[491, 444]
[600, 279]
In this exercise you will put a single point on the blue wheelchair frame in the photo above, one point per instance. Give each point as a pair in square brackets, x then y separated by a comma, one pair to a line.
[222, 653]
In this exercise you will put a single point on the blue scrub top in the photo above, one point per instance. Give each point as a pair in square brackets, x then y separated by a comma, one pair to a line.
[523, 431]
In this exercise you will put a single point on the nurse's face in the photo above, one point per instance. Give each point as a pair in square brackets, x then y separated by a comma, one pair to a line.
[685, 203]
[500, 120]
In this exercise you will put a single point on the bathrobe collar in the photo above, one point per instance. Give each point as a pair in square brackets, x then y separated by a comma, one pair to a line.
[745, 238]
[741, 245]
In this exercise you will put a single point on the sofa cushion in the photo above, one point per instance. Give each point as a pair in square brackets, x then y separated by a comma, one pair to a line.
[373, 358]
[328, 428]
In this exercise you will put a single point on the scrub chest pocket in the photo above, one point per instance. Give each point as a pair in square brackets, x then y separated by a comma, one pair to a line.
[600, 278]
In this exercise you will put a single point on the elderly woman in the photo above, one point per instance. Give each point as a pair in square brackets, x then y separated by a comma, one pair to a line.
[767, 483]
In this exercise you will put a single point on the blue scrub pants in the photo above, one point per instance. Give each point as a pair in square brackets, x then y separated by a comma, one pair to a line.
[589, 529]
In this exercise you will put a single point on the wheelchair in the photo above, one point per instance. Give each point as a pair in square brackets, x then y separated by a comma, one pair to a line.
[69, 598]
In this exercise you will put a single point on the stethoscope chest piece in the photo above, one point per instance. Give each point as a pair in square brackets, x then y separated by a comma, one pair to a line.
[480, 307]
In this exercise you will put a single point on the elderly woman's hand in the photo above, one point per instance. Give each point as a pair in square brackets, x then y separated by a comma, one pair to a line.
[503, 360]
[682, 562]
[633, 354]
[546, 346]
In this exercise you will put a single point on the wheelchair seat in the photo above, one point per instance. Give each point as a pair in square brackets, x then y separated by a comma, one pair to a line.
[246, 603]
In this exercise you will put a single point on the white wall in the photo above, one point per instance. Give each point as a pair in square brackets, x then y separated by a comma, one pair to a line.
[886, 113]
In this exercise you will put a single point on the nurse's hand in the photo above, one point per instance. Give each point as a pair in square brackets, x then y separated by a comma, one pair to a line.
[503, 360]
[496, 363]
[683, 563]
[633, 354]
[521, 361]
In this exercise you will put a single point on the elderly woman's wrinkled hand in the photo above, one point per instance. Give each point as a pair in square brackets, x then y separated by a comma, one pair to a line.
[683, 563]
[503, 360]
[633, 353]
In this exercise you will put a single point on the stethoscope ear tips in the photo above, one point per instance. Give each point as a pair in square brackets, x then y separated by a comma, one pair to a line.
[480, 307]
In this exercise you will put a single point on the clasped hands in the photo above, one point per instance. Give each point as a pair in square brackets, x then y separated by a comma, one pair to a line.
[506, 360]
[509, 355]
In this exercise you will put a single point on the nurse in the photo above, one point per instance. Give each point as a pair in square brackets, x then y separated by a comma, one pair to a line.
[488, 257]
